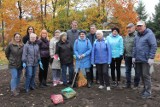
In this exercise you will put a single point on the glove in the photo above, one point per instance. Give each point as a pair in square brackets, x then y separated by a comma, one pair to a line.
[41, 65]
[24, 65]
[133, 60]
[150, 62]
[74, 56]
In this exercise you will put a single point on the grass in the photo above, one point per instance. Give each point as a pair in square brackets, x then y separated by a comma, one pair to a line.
[3, 59]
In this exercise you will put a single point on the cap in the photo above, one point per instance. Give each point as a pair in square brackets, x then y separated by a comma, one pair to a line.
[130, 25]
[140, 23]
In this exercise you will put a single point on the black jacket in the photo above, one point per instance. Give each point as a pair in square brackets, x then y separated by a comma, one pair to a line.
[65, 52]
[25, 39]
[92, 38]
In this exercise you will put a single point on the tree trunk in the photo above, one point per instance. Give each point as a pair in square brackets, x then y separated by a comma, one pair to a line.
[45, 9]
[42, 22]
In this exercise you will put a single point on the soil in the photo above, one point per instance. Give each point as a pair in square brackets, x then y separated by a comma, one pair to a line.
[86, 97]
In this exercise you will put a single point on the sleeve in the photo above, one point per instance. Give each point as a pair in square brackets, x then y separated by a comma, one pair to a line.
[75, 50]
[121, 46]
[134, 49]
[39, 56]
[109, 53]
[7, 51]
[92, 55]
[153, 46]
[52, 48]
[88, 52]
[24, 55]
[57, 51]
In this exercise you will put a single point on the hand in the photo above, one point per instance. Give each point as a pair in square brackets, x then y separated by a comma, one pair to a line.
[82, 56]
[133, 60]
[24, 65]
[41, 65]
[150, 62]
[74, 56]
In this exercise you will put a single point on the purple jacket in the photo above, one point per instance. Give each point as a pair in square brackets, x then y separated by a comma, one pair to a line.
[44, 47]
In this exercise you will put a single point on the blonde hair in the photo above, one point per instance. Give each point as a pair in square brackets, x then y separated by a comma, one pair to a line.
[44, 32]
[14, 42]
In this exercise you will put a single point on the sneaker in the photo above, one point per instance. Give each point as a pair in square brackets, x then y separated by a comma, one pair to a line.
[114, 84]
[146, 95]
[15, 93]
[55, 83]
[108, 88]
[101, 87]
[135, 88]
[59, 82]
[41, 85]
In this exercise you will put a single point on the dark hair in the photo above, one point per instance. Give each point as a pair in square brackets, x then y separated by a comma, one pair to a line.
[83, 31]
[115, 28]
[28, 29]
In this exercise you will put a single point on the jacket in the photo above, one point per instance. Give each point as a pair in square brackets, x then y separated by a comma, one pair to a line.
[44, 47]
[52, 46]
[65, 52]
[128, 44]
[25, 39]
[92, 38]
[13, 53]
[72, 35]
[31, 54]
[116, 43]
[83, 47]
[145, 46]
[101, 52]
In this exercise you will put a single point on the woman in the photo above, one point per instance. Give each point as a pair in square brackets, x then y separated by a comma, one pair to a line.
[43, 43]
[116, 42]
[56, 69]
[101, 56]
[65, 52]
[82, 51]
[14, 55]
[30, 30]
[31, 58]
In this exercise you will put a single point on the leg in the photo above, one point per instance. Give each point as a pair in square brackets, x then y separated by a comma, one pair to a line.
[54, 73]
[128, 65]
[118, 69]
[13, 83]
[105, 74]
[40, 75]
[58, 74]
[138, 70]
[88, 77]
[100, 74]
[91, 73]
[64, 70]
[28, 77]
[32, 86]
[113, 69]
[19, 76]
[71, 72]
[46, 65]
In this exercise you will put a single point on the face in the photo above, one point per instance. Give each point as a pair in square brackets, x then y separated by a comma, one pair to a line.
[30, 30]
[44, 35]
[82, 35]
[64, 38]
[141, 28]
[74, 25]
[99, 36]
[92, 30]
[115, 32]
[57, 35]
[131, 29]
[32, 37]
[17, 38]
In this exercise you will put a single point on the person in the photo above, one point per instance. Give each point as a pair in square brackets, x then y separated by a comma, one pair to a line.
[55, 64]
[43, 43]
[31, 58]
[144, 51]
[128, 48]
[72, 34]
[30, 30]
[116, 42]
[101, 56]
[92, 37]
[82, 51]
[13, 53]
[64, 51]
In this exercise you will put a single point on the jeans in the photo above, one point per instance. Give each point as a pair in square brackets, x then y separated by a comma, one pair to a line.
[56, 74]
[64, 71]
[128, 65]
[103, 74]
[15, 77]
[30, 77]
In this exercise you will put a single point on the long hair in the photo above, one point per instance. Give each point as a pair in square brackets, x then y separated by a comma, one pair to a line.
[14, 42]
[44, 32]
[27, 32]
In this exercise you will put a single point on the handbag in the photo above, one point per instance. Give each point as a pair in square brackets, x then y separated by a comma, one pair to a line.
[57, 99]
[68, 92]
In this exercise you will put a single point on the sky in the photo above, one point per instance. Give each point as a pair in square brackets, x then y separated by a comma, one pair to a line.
[150, 4]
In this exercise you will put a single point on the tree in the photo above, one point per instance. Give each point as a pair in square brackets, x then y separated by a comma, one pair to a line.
[142, 14]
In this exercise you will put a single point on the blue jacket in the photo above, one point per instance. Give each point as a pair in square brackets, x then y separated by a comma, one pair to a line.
[145, 46]
[101, 52]
[83, 47]
[116, 43]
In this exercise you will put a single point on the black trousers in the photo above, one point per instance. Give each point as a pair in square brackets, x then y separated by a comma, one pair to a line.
[92, 74]
[43, 73]
[103, 74]
[116, 64]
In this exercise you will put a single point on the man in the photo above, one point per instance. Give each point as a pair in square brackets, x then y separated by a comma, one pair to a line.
[73, 34]
[128, 47]
[92, 36]
[144, 51]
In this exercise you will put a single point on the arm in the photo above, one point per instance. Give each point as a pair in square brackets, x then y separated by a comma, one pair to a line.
[92, 54]
[24, 55]
[57, 49]
[7, 51]
[134, 49]
[88, 52]
[75, 50]
[121, 46]
[52, 48]
[153, 46]
[109, 53]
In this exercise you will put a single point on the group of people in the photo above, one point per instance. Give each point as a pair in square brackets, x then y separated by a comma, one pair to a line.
[138, 49]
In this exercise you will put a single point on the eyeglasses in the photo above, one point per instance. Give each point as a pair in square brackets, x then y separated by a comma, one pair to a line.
[30, 29]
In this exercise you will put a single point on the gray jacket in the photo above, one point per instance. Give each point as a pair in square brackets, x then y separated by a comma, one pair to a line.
[72, 35]
[145, 46]
[31, 54]
[129, 43]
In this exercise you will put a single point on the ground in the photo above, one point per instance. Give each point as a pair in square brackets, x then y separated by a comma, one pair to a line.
[86, 97]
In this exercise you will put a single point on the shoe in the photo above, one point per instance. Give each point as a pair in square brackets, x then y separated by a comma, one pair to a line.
[101, 87]
[18, 90]
[59, 82]
[114, 84]
[89, 84]
[32, 88]
[15, 93]
[127, 86]
[119, 85]
[108, 88]
[146, 95]
[55, 83]
[135, 88]
[41, 85]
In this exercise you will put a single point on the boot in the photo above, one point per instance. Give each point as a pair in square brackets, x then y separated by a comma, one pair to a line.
[88, 79]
